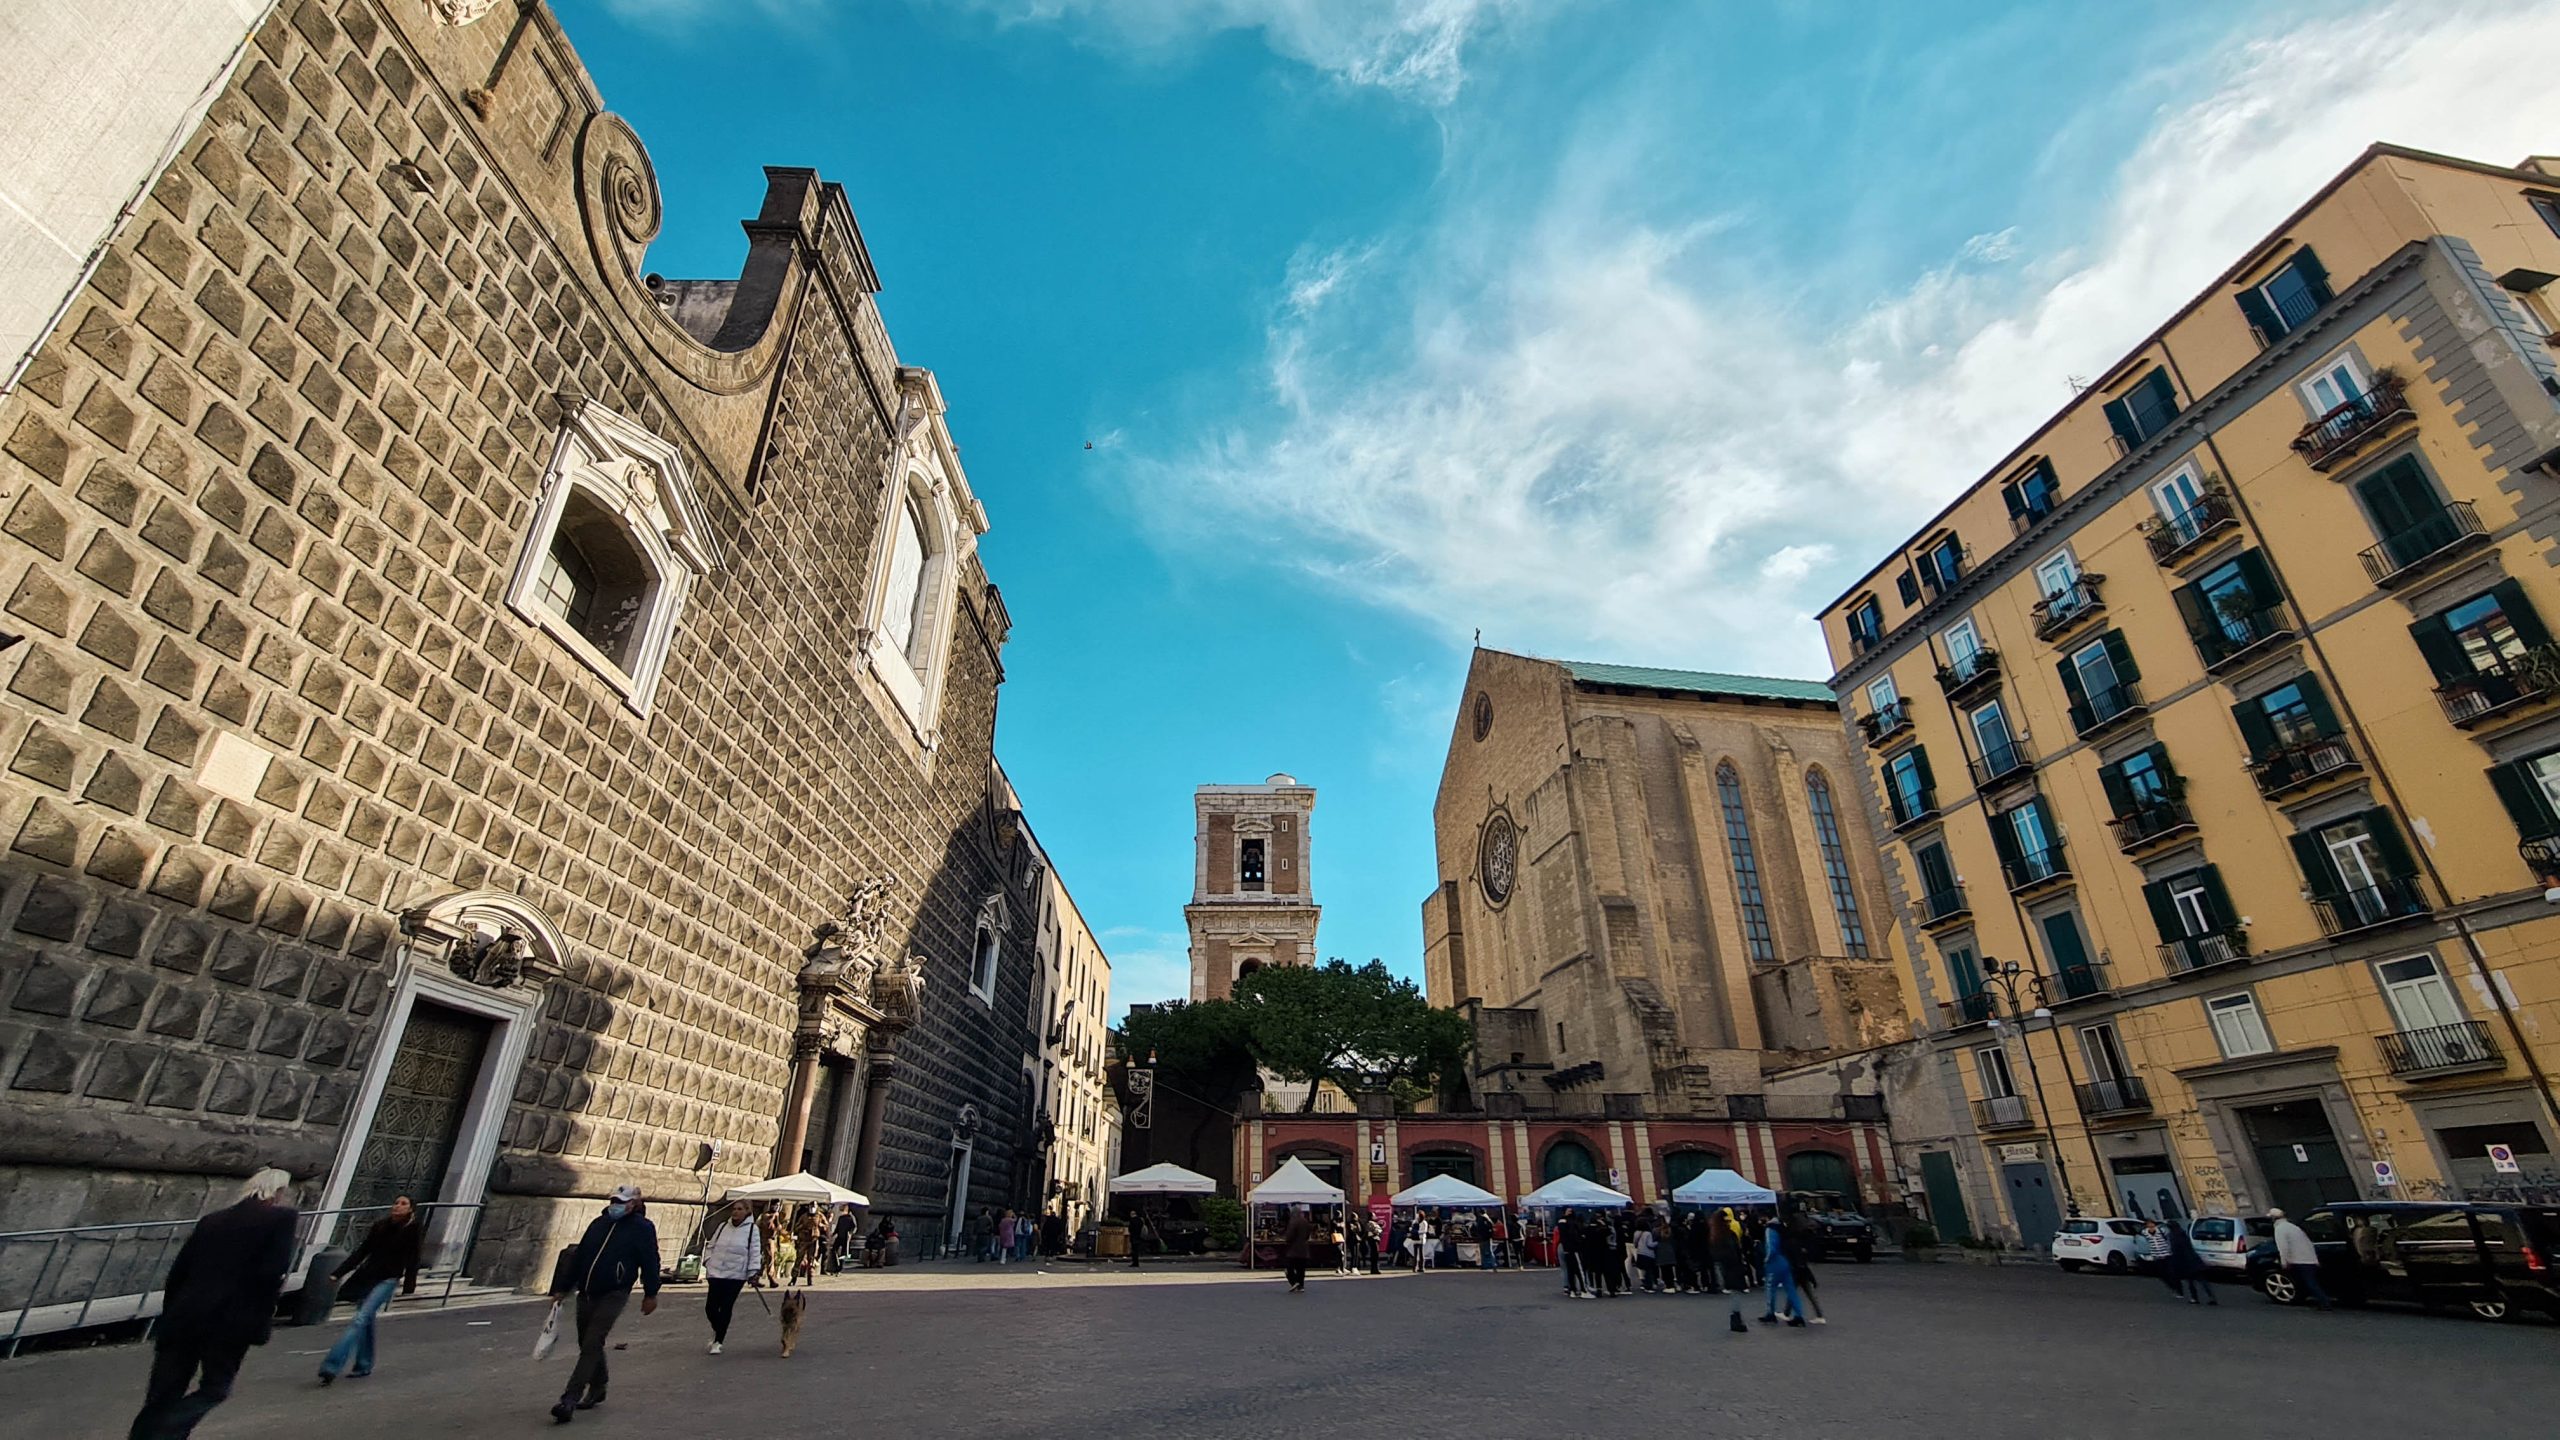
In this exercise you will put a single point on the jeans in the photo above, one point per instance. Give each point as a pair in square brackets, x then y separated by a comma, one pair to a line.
[2308, 1278]
[2195, 1287]
[357, 1343]
[1782, 1280]
[719, 1304]
[1485, 1254]
[596, 1314]
[168, 1411]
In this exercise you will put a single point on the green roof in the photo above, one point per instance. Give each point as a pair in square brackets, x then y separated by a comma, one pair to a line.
[1701, 682]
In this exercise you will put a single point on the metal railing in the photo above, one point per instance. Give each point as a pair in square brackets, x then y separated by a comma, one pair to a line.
[1965, 673]
[2172, 535]
[2068, 606]
[2078, 982]
[2001, 1112]
[1912, 809]
[1885, 723]
[2234, 633]
[2464, 1045]
[2299, 764]
[1939, 906]
[2389, 899]
[2195, 952]
[2402, 553]
[2101, 708]
[89, 1275]
[2146, 823]
[1971, 1009]
[2004, 761]
[2036, 867]
[2469, 699]
[2346, 427]
[2122, 1095]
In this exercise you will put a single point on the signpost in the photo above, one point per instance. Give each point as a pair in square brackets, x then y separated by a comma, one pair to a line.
[2502, 1158]
[2383, 1178]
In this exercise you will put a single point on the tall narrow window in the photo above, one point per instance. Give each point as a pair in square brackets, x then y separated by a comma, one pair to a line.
[1835, 864]
[906, 580]
[1250, 866]
[1746, 866]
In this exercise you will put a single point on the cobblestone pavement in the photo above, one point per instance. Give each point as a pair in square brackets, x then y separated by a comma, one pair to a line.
[998, 1354]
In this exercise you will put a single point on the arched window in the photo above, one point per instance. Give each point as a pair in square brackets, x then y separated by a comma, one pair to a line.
[1682, 1166]
[1746, 865]
[1822, 1171]
[906, 598]
[1459, 1163]
[1835, 864]
[982, 971]
[1569, 1157]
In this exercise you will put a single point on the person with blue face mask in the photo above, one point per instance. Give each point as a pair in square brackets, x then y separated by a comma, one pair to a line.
[620, 1249]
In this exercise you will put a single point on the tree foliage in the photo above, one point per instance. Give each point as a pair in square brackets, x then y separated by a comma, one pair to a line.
[1357, 1026]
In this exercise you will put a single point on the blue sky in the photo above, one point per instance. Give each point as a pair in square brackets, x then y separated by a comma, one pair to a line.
[1623, 331]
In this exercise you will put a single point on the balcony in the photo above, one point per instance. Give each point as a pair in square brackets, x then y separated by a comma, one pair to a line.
[2390, 900]
[1944, 907]
[2124, 1095]
[2077, 982]
[1971, 1009]
[1882, 725]
[1917, 808]
[2542, 854]
[2060, 613]
[2009, 761]
[2103, 709]
[1975, 672]
[2300, 766]
[2507, 685]
[2201, 952]
[2036, 869]
[2174, 537]
[2239, 634]
[2346, 431]
[2441, 1050]
[2452, 530]
[2148, 825]
[2001, 1112]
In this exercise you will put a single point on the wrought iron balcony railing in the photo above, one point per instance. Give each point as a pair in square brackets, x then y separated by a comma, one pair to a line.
[2236, 633]
[2389, 900]
[2348, 428]
[2123, 1095]
[2145, 824]
[1939, 907]
[2307, 762]
[2441, 1049]
[1966, 674]
[2173, 536]
[2001, 1112]
[2036, 867]
[2104, 707]
[1910, 810]
[2198, 952]
[2078, 982]
[2502, 686]
[2006, 761]
[1970, 1009]
[2059, 612]
[1883, 724]
[2404, 554]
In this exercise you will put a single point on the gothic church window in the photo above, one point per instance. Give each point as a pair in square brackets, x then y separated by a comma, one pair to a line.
[1835, 864]
[1746, 865]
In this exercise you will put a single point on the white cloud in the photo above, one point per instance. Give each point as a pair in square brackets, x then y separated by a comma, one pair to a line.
[1587, 432]
[1147, 966]
[1415, 48]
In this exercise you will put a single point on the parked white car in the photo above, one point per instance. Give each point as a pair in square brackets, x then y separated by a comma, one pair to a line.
[2112, 1242]
[2224, 1243]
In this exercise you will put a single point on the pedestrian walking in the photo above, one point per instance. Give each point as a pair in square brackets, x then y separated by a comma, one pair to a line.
[1799, 1242]
[2155, 1254]
[1376, 1243]
[1422, 1235]
[219, 1299]
[809, 1237]
[1726, 1235]
[1568, 1236]
[1648, 1262]
[1003, 1238]
[619, 1250]
[732, 1255]
[1778, 1278]
[1295, 1243]
[387, 1259]
[848, 1241]
[2300, 1258]
[2186, 1268]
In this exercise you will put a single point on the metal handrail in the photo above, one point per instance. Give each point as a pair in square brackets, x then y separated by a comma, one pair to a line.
[64, 1243]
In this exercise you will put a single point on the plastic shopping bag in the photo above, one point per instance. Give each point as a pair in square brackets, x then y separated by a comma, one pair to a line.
[550, 1335]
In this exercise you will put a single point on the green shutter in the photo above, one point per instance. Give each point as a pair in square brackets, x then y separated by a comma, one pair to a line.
[2119, 794]
[2523, 796]
[2316, 701]
[2520, 613]
[2120, 419]
[2317, 872]
[2254, 729]
[2063, 942]
[2004, 838]
[2070, 674]
[2202, 626]
[2444, 655]
[2261, 577]
[2174, 784]
[2016, 502]
[2121, 655]
[2261, 316]
[2315, 276]
[2164, 911]
[2226, 916]
[2387, 844]
[1920, 763]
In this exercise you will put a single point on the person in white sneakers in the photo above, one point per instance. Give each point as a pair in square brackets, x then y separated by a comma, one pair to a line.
[732, 1255]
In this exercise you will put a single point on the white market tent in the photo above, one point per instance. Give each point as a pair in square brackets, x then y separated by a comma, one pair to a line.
[1576, 1192]
[1722, 1187]
[1165, 1179]
[801, 1189]
[1447, 1190]
[1294, 1184]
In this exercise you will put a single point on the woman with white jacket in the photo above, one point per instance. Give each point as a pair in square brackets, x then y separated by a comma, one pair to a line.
[732, 1255]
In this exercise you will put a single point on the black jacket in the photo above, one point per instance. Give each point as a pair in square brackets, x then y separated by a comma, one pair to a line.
[222, 1288]
[389, 1252]
[613, 1255]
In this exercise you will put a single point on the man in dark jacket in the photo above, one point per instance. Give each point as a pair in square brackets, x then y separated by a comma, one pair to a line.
[1296, 1243]
[388, 1257]
[219, 1300]
[619, 1248]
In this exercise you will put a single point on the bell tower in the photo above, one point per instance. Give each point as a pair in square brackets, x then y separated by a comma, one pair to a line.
[1252, 882]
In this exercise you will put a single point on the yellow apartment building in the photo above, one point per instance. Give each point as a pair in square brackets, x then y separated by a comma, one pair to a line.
[2214, 735]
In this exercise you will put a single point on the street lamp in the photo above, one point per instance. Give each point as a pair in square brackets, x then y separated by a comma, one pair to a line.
[2006, 977]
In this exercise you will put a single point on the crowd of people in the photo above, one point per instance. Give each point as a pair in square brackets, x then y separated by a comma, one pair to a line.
[1007, 1237]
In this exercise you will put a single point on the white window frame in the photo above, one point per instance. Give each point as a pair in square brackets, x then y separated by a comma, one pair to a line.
[2099, 649]
[641, 482]
[2192, 904]
[2327, 370]
[2418, 1001]
[2545, 770]
[1972, 646]
[2188, 494]
[2241, 1008]
[1991, 1060]
[1881, 695]
[2062, 563]
[924, 471]
[1973, 723]
[2102, 1050]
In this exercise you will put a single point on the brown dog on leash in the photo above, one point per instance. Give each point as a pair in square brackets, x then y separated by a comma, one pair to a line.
[795, 1305]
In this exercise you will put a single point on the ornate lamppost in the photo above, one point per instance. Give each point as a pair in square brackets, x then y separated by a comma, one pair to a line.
[2006, 978]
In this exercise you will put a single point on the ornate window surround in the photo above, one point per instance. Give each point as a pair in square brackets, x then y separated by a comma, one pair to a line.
[641, 481]
[924, 469]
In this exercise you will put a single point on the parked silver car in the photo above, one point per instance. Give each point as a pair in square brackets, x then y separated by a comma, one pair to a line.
[2223, 1242]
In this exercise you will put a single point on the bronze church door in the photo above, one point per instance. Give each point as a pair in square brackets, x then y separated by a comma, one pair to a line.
[409, 1147]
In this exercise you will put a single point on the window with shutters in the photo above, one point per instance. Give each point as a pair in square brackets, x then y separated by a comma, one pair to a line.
[2412, 519]
[2530, 789]
[1866, 625]
[2195, 918]
[1941, 563]
[2294, 738]
[2233, 609]
[2029, 843]
[1909, 787]
[2002, 752]
[2146, 798]
[1907, 585]
[2488, 653]
[2098, 681]
[2032, 496]
[1835, 864]
[2066, 953]
[1941, 894]
[2144, 410]
[2287, 299]
[2548, 207]
[1746, 865]
[2339, 380]
[2416, 990]
[2359, 873]
[1964, 978]
[2237, 1026]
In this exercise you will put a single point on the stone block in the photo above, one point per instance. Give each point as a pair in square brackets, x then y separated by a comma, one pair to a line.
[283, 1034]
[52, 1063]
[170, 531]
[179, 1012]
[182, 947]
[236, 958]
[182, 875]
[112, 638]
[50, 833]
[39, 601]
[179, 1083]
[122, 926]
[286, 969]
[42, 679]
[179, 807]
[108, 564]
[47, 757]
[112, 710]
[117, 1000]
[109, 490]
[120, 1072]
[234, 1086]
[114, 784]
[235, 1022]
